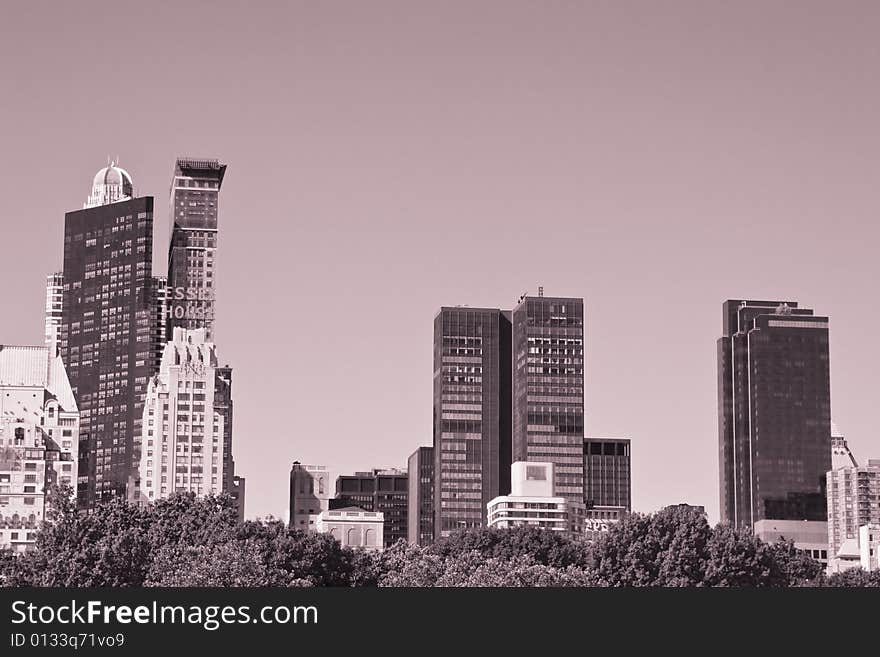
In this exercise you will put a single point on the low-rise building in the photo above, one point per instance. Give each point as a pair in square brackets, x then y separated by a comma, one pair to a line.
[808, 536]
[531, 500]
[352, 527]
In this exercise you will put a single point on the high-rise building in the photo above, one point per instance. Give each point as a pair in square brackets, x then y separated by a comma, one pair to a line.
[853, 501]
[378, 490]
[39, 427]
[309, 495]
[471, 414]
[420, 498]
[774, 412]
[159, 323]
[548, 388]
[54, 302]
[182, 440]
[841, 456]
[191, 283]
[107, 314]
[195, 192]
[607, 473]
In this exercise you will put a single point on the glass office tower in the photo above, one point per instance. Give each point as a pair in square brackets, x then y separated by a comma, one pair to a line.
[774, 412]
[607, 472]
[107, 319]
[548, 388]
[471, 414]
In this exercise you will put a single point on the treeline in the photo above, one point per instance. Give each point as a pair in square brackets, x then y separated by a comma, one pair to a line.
[184, 541]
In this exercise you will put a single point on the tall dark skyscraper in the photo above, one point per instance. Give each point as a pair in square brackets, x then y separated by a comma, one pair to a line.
[774, 412]
[548, 388]
[195, 192]
[471, 414]
[607, 472]
[107, 320]
[420, 499]
[383, 491]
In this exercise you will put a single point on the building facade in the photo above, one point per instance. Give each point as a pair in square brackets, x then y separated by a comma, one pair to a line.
[607, 473]
[385, 491]
[420, 497]
[195, 193]
[181, 448]
[352, 527]
[471, 414]
[774, 412]
[238, 495]
[808, 536]
[107, 312]
[853, 501]
[39, 439]
[531, 501]
[309, 495]
[548, 388]
[54, 304]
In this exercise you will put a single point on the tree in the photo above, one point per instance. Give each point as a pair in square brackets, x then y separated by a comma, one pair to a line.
[854, 577]
[544, 547]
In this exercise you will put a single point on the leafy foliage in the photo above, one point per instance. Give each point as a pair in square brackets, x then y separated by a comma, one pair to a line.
[188, 541]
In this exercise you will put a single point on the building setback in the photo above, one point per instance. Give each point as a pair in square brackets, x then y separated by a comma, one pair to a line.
[607, 473]
[420, 498]
[107, 314]
[383, 491]
[471, 415]
[774, 412]
[548, 388]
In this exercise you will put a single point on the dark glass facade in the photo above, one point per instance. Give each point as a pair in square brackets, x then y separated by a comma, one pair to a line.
[548, 388]
[774, 412]
[195, 192]
[108, 318]
[420, 499]
[607, 472]
[471, 410]
[380, 491]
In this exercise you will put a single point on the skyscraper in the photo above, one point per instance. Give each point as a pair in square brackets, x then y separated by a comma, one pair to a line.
[471, 414]
[191, 283]
[774, 412]
[378, 490]
[107, 315]
[607, 473]
[548, 388]
[54, 302]
[39, 423]
[182, 439]
[195, 192]
[420, 498]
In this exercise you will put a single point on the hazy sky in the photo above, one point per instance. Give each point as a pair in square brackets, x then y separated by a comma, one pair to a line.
[387, 158]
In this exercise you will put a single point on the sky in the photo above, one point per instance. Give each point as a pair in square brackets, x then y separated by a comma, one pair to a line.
[388, 158]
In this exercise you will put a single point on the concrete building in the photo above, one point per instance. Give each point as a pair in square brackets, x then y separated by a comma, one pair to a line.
[385, 491]
[54, 303]
[39, 439]
[420, 498]
[238, 494]
[531, 500]
[809, 536]
[309, 495]
[181, 447]
[352, 527]
[853, 501]
[869, 544]
[598, 519]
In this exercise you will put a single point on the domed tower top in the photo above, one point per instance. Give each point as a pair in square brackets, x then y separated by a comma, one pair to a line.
[111, 184]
